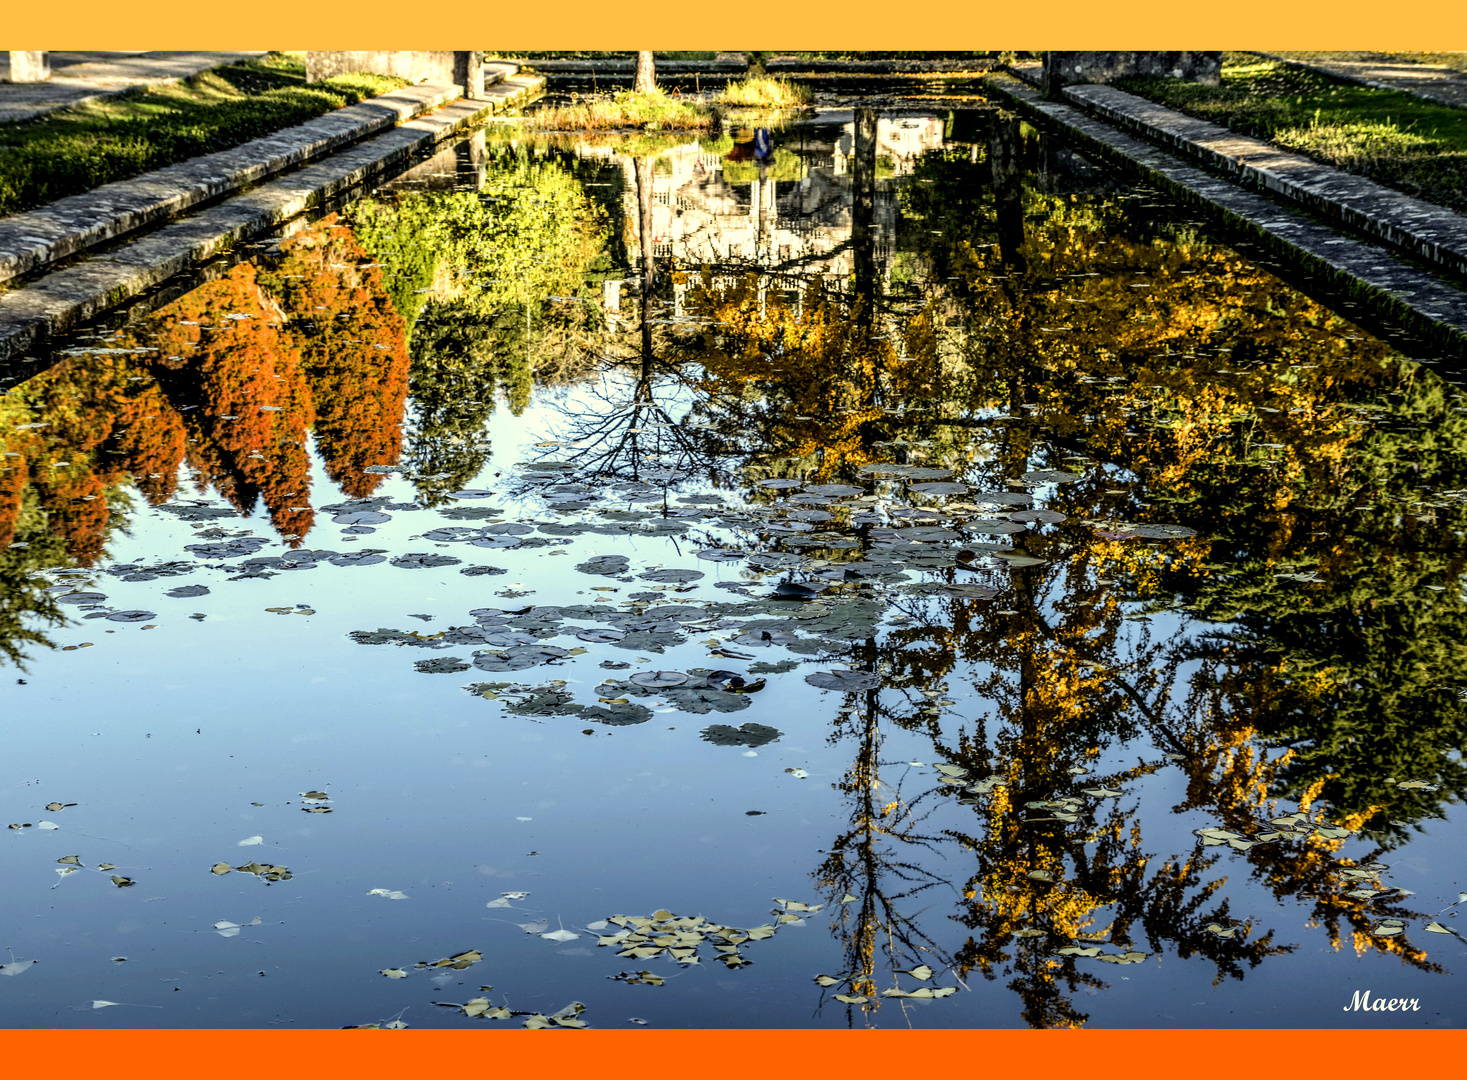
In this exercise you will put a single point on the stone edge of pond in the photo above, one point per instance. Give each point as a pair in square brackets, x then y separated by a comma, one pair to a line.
[1368, 273]
[1418, 227]
[38, 237]
[68, 297]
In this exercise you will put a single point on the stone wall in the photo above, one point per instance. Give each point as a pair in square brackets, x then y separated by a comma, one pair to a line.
[1063, 69]
[463, 69]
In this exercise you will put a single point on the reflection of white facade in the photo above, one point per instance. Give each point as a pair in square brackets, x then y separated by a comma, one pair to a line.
[800, 224]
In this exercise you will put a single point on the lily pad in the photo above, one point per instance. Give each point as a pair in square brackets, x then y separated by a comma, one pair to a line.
[657, 680]
[749, 734]
[1049, 476]
[441, 665]
[844, 681]
[420, 561]
[132, 616]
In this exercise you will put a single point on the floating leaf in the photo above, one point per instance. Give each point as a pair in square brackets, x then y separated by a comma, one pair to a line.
[852, 999]
[122, 882]
[221, 868]
[70, 860]
[15, 967]
[393, 973]
[844, 681]
[391, 894]
[560, 935]
[828, 980]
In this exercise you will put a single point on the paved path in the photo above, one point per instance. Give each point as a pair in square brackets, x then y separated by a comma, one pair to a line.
[78, 77]
[1440, 84]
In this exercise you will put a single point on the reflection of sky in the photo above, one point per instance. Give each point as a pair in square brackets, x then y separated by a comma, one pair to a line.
[167, 737]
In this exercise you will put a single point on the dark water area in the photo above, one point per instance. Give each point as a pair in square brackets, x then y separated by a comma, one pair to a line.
[885, 570]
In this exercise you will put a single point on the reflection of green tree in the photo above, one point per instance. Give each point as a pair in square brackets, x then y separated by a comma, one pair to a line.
[483, 279]
[24, 602]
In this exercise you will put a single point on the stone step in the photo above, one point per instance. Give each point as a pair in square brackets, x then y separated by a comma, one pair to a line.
[1407, 291]
[1413, 225]
[38, 237]
[496, 71]
[67, 297]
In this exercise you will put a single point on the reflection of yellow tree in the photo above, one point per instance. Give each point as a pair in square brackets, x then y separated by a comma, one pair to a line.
[802, 379]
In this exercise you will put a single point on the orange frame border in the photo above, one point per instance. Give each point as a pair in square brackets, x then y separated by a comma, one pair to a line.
[736, 1054]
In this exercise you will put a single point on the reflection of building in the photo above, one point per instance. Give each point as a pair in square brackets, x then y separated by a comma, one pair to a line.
[792, 212]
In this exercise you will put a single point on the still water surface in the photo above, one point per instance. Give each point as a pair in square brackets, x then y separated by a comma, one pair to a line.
[890, 573]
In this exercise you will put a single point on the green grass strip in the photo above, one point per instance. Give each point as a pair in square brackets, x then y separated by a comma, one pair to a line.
[628, 109]
[77, 149]
[1395, 138]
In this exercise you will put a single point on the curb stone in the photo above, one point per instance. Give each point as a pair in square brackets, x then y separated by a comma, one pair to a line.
[1411, 292]
[1414, 225]
[63, 299]
[37, 237]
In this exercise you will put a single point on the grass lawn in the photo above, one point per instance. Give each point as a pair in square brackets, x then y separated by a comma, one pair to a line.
[1394, 138]
[77, 149]
[765, 92]
[628, 109]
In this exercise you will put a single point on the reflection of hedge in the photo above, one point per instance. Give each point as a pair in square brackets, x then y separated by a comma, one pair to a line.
[473, 273]
[785, 166]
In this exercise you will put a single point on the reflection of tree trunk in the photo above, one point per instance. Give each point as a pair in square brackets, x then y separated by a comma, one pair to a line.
[649, 266]
[1005, 150]
[863, 209]
[646, 78]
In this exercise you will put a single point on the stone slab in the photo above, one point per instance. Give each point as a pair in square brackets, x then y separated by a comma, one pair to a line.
[41, 236]
[1305, 240]
[79, 77]
[64, 299]
[1414, 225]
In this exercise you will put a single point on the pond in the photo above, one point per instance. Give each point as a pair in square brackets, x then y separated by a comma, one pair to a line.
[885, 570]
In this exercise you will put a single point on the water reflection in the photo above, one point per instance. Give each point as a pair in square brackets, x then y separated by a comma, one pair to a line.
[1049, 482]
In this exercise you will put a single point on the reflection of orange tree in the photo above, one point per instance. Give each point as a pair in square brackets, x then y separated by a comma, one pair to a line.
[101, 418]
[230, 382]
[222, 347]
[353, 347]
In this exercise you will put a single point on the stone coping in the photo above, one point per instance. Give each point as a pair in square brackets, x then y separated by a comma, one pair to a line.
[65, 298]
[37, 237]
[876, 67]
[629, 67]
[1414, 225]
[1408, 291]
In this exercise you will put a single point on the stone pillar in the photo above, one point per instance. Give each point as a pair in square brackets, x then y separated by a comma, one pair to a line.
[468, 72]
[1063, 69]
[27, 67]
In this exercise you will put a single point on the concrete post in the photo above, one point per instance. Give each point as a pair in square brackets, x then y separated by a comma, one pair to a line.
[28, 67]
